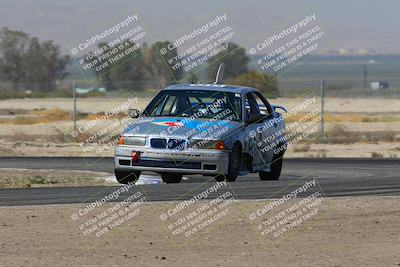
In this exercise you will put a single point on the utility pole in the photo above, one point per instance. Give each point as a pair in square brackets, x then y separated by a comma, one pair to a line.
[74, 104]
[365, 75]
[322, 109]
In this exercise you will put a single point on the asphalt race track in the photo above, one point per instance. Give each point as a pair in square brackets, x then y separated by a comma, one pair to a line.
[336, 177]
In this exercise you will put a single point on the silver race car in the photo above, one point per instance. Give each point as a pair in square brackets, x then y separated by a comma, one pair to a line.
[210, 129]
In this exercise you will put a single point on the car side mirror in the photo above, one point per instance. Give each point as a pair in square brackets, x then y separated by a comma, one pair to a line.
[134, 113]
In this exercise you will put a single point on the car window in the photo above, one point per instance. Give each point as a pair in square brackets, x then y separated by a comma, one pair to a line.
[155, 104]
[251, 105]
[265, 107]
[196, 103]
[170, 105]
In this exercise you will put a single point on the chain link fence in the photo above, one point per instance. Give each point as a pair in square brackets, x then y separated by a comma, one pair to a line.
[287, 88]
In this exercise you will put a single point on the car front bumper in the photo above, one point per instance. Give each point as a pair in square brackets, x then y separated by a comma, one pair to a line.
[200, 161]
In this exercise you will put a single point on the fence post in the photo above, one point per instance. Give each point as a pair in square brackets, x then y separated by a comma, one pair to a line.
[74, 104]
[322, 109]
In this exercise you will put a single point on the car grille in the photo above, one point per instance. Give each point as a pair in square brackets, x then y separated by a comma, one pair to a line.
[168, 164]
[158, 143]
[172, 143]
[178, 144]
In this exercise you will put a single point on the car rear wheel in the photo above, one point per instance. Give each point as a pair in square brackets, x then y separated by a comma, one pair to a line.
[276, 167]
[124, 177]
[171, 178]
[235, 160]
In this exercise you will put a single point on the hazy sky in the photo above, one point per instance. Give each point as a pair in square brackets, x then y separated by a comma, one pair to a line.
[349, 23]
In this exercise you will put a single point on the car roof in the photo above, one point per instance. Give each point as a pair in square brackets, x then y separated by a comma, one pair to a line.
[211, 87]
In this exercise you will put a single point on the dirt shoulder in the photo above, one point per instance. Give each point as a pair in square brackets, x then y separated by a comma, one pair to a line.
[26, 178]
[353, 150]
[359, 231]
[92, 104]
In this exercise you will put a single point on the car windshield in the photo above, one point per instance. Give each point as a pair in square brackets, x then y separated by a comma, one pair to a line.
[195, 104]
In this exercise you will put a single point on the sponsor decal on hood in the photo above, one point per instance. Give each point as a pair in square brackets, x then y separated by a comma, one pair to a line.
[168, 123]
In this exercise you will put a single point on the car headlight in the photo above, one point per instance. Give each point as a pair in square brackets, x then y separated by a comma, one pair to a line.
[206, 144]
[132, 140]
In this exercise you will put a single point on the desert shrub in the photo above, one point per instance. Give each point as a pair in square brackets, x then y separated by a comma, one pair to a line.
[267, 84]
[301, 148]
[376, 155]
[339, 134]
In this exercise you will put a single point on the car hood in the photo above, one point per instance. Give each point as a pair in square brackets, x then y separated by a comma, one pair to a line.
[182, 128]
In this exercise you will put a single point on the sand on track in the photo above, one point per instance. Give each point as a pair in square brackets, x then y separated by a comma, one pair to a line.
[358, 231]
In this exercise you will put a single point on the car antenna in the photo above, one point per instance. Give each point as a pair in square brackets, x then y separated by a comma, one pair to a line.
[219, 74]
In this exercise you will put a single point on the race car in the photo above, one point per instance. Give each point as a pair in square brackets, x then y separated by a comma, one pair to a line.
[215, 130]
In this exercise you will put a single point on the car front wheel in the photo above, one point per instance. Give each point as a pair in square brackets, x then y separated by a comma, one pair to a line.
[124, 177]
[275, 173]
[235, 160]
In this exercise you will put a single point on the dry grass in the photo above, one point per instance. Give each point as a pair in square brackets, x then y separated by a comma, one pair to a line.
[13, 111]
[301, 147]
[346, 117]
[22, 178]
[376, 155]
[59, 136]
[40, 181]
[43, 116]
[340, 134]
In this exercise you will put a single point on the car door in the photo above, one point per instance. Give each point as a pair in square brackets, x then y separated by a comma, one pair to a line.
[253, 134]
[267, 130]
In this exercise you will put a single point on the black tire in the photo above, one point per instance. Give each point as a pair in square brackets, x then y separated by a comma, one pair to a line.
[235, 161]
[219, 178]
[276, 167]
[171, 178]
[124, 177]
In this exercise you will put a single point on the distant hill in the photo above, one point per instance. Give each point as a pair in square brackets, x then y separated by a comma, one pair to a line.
[345, 71]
